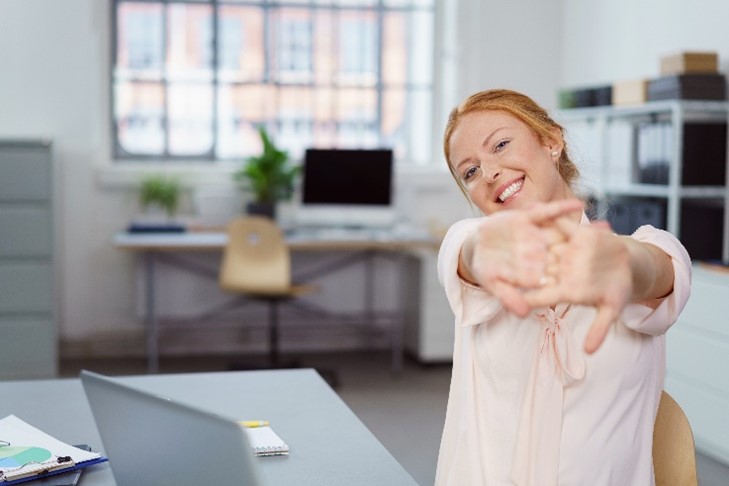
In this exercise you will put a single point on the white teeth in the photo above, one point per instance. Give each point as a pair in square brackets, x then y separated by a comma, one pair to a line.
[511, 190]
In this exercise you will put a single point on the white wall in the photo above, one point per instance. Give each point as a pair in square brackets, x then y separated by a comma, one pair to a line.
[510, 44]
[608, 40]
[54, 57]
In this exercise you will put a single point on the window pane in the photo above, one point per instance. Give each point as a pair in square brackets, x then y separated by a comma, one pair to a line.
[295, 118]
[357, 116]
[324, 132]
[409, 3]
[352, 3]
[421, 47]
[291, 45]
[324, 45]
[139, 117]
[240, 109]
[139, 40]
[358, 48]
[240, 44]
[407, 115]
[190, 119]
[189, 45]
[393, 117]
[395, 49]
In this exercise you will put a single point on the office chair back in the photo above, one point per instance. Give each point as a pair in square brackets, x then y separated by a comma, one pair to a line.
[674, 458]
[256, 259]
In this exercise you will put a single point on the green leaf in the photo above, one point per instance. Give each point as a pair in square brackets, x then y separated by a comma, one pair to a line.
[268, 175]
[161, 190]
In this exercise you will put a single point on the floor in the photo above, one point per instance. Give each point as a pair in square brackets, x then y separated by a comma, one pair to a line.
[404, 412]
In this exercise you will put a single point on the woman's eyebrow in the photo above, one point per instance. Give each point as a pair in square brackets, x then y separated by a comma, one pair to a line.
[485, 143]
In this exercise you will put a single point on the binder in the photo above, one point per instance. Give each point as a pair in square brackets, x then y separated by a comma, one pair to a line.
[27, 453]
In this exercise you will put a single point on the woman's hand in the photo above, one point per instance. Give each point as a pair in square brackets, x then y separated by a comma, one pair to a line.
[590, 267]
[510, 251]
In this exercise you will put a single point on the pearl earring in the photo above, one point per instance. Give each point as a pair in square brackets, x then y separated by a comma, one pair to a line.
[555, 153]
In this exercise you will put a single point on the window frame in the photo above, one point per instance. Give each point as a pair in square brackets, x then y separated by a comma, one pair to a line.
[121, 156]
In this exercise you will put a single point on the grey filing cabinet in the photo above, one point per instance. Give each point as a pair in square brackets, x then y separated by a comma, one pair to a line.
[28, 335]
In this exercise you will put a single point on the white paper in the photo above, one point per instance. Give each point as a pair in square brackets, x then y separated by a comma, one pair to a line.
[20, 434]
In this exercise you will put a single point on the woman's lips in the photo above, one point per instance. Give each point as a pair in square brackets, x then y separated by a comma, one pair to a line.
[511, 189]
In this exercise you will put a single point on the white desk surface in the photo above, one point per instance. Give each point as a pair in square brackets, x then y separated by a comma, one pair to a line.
[329, 444]
[331, 238]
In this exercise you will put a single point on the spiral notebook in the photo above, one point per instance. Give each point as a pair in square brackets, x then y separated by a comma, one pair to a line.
[266, 442]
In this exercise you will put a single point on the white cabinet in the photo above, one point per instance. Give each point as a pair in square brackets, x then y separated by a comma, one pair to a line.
[697, 360]
[28, 337]
[430, 325]
[667, 159]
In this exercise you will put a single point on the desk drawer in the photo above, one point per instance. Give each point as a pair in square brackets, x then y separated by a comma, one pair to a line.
[26, 287]
[26, 349]
[26, 231]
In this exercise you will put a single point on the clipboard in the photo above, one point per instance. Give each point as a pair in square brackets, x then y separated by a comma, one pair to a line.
[27, 453]
[70, 478]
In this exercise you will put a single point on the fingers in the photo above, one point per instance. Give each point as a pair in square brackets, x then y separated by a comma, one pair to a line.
[606, 315]
[546, 212]
[511, 298]
[566, 226]
[548, 295]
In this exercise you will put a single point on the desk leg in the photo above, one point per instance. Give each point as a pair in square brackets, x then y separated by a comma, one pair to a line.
[398, 325]
[150, 319]
[369, 287]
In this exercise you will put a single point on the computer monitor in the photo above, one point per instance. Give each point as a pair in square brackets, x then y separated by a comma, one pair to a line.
[347, 187]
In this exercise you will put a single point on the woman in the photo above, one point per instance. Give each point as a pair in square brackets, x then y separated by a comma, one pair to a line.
[559, 354]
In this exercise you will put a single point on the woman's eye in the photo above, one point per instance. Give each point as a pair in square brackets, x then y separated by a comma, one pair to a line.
[501, 145]
[469, 173]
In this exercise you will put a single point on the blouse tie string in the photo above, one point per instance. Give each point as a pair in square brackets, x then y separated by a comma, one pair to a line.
[559, 363]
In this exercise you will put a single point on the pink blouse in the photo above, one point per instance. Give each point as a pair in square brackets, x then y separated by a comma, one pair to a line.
[528, 407]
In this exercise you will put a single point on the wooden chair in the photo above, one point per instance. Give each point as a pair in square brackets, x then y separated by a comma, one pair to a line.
[674, 457]
[257, 264]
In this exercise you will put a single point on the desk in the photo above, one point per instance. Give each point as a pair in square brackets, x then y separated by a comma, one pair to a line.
[152, 245]
[329, 444]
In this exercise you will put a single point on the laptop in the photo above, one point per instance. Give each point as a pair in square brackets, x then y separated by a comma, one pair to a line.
[154, 440]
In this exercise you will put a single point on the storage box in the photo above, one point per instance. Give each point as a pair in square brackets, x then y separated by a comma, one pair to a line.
[586, 97]
[630, 92]
[690, 62]
[688, 87]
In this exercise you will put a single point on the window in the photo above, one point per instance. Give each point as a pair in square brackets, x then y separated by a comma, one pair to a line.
[192, 79]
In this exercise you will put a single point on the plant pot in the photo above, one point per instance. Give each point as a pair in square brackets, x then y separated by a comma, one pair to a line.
[267, 209]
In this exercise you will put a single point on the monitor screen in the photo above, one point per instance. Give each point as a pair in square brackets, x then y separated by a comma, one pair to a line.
[347, 177]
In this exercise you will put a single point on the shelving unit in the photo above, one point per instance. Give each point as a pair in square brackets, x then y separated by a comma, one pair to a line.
[600, 124]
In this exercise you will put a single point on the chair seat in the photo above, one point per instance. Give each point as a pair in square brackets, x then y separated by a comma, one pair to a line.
[674, 459]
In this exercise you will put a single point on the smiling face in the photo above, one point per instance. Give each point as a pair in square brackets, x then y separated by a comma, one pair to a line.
[502, 164]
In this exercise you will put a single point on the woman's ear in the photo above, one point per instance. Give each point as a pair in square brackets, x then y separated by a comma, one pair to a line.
[555, 144]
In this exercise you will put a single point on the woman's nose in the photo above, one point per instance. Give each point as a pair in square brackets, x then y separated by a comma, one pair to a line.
[491, 172]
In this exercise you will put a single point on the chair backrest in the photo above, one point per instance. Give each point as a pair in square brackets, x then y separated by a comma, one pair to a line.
[674, 457]
[256, 259]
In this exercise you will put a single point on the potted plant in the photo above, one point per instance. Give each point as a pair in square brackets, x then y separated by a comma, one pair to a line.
[160, 191]
[268, 176]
